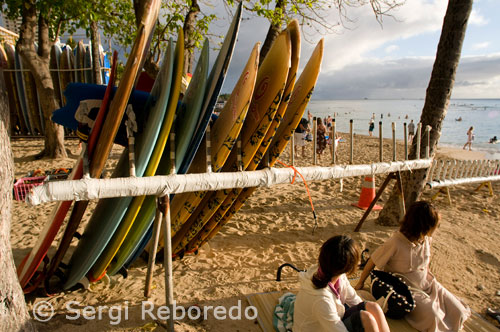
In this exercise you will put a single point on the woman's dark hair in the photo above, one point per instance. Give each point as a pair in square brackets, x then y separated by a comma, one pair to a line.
[338, 255]
[420, 218]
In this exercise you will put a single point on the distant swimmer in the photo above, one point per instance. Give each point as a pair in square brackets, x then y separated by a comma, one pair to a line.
[493, 140]
[459, 119]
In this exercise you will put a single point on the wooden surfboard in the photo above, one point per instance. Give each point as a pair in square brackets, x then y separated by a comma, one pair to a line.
[10, 85]
[80, 62]
[31, 98]
[297, 105]
[269, 88]
[55, 54]
[294, 30]
[66, 74]
[21, 95]
[88, 65]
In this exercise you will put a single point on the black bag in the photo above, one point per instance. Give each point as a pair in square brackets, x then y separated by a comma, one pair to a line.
[392, 293]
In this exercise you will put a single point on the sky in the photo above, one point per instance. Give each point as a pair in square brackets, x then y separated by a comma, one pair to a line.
[389, 61]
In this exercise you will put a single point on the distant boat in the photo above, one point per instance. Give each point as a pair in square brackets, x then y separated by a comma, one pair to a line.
[459, 119]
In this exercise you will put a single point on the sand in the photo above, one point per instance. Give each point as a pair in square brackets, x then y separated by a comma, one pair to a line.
[275, 226]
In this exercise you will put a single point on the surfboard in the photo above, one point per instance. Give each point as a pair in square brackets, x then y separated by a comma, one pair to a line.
[55, 54]
[116, 231]
[66, 74]
[269, 88]
[105, 65]
[76, 92]
[190, 108]
[30, 263]
[224, 132]
[20, 93]
[294, 30]
[7, 54]
[301, 95]
[88, 65]
[31, 98]
[216, 80]
[80, 62]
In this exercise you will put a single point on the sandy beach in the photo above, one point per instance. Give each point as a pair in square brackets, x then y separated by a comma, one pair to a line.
[275, 226]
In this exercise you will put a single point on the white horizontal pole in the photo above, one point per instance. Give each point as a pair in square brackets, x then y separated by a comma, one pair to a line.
[89, 189]
[454, 182]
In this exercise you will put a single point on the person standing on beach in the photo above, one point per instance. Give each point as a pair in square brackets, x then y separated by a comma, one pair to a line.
[407, 253]
[299, 135]
[470, 138]
[411, 131]
[321, 138]
[371, 127]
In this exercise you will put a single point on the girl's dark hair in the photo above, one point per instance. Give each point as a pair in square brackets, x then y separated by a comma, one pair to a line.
[338, 255]
[420, 218]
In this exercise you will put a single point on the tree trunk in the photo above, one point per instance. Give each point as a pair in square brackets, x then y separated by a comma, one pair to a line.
[189, 26]
[38, 64]
[273, 32]
[13, 312]
[95, 40]
[436, 103]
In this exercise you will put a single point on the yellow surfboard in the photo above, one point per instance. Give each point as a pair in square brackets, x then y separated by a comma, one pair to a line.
[270, 85]
[294, 31]
[297, 105]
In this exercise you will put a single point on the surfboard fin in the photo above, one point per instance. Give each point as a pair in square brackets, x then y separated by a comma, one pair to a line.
[123, 271]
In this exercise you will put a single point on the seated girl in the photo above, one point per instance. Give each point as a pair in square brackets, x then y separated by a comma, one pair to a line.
[326, 300]
[408, 253]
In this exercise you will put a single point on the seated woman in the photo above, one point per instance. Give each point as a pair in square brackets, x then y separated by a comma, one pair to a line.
[408, 253]
[326, 300]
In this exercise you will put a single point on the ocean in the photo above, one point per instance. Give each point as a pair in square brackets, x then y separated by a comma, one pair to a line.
[482, 114]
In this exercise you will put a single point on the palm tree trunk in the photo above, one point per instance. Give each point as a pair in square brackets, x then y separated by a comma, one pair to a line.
[273, 32]
[436, 103]
[13, 312]
[95, 40]
[38, 63]
[189, 26]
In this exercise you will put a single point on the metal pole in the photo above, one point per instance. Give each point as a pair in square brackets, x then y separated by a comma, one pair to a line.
[394, 141]
[169, 282]
[334, 140]
[315, 140]
[352, 141]
[405, 133]
[292, 149]
[380, 141]
[419, 138]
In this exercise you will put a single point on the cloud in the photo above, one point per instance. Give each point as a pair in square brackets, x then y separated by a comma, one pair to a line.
[480, 46]
[391, 48]
[477, 19]
[477, 77]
